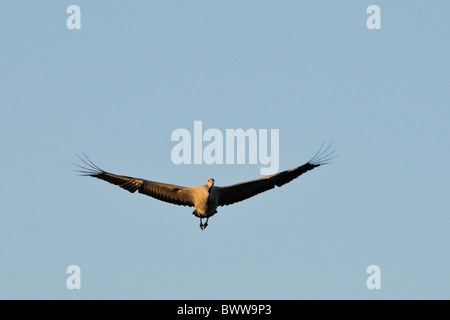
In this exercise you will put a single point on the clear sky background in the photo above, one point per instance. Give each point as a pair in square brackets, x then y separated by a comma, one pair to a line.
[117, 88]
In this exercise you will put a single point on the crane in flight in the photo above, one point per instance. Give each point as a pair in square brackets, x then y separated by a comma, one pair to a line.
[208, 197]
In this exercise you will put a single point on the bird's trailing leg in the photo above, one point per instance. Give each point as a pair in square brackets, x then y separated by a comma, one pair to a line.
[203, 225]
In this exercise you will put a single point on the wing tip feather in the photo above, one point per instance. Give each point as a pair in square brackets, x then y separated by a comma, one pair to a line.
[323, 155]
[90, 169]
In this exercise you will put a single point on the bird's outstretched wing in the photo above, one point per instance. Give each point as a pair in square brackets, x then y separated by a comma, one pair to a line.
[161, 191]
[241, 191]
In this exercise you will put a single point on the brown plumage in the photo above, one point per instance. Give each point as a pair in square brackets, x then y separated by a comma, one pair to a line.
[208, 197]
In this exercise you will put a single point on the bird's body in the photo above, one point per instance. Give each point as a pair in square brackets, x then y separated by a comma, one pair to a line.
[206, 198]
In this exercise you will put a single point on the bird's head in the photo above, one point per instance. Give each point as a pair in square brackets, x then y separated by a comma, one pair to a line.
[210, 182]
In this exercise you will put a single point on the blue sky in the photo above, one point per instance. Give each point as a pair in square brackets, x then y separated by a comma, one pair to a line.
[135, 72]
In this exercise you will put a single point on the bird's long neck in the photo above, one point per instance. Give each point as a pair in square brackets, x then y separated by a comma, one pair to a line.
[210, 185]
